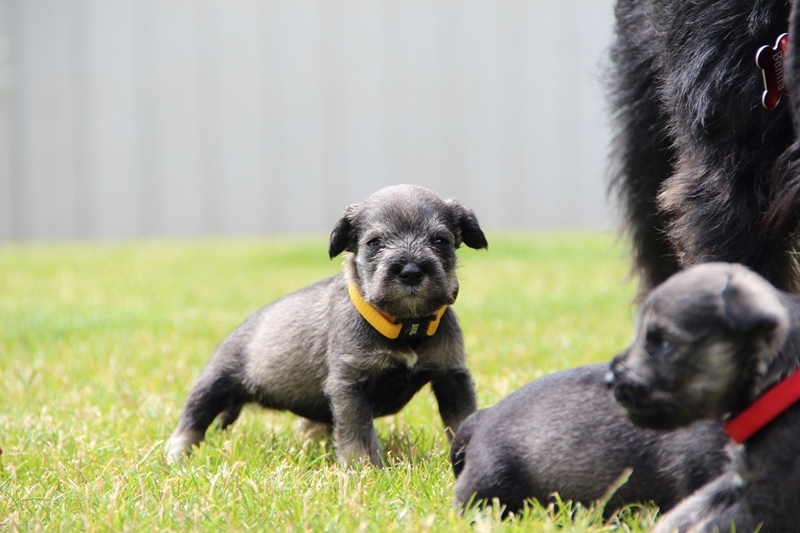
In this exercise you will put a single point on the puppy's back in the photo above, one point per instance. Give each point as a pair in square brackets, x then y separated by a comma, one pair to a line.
[564, 433]
[281, 349]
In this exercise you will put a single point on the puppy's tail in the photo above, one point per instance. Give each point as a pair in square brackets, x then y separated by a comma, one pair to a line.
[458, 450]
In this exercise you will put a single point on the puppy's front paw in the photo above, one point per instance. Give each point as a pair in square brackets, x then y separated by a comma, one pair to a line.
[353, 453]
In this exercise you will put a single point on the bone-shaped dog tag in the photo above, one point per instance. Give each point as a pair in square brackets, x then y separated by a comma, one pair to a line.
[770, 60]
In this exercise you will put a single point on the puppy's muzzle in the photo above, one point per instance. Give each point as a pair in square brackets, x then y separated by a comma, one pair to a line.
[628, 391]
[645, 405]
[631, 395]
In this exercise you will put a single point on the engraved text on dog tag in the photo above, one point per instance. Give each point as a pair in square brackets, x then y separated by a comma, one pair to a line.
[770, 60]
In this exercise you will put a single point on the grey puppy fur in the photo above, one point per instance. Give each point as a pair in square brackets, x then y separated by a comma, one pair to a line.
[313, 354]
[710, 341]
[565, 433]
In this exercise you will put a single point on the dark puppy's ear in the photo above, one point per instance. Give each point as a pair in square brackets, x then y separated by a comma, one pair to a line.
[342, 234]
[471, 233]
[752, 304]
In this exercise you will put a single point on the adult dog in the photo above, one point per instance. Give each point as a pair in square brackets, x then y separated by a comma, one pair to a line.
[357, 345]
[716, 339]
[702, 170]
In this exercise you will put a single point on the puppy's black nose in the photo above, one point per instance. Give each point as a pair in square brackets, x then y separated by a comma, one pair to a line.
[615, 368]
[411, 274]
[610, 379]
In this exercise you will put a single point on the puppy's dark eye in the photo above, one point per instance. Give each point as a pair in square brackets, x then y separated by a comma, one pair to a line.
[440, 241]
[657, 342]
[375, 242]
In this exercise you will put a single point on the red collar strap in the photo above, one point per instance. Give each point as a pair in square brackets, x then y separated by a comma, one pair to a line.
[765, 409]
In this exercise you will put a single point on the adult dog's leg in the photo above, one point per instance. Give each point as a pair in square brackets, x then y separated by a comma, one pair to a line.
[642, 148]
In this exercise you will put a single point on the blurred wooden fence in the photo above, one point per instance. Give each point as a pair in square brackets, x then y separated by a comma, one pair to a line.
[129, 118]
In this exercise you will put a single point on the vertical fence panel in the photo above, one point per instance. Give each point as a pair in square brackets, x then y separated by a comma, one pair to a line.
[110, 156]
[146, 111]
[234, 113]
[6, 167]
[300, 81]
[45, 180]
[177, 77]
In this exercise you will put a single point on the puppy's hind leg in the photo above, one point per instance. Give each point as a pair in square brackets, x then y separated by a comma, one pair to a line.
[217, 391]
[230, 415]
[310, 430]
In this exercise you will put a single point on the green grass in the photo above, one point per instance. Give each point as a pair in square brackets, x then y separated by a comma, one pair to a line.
[99, 345]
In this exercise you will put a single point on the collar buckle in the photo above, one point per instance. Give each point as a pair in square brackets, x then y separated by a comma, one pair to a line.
[415, 328]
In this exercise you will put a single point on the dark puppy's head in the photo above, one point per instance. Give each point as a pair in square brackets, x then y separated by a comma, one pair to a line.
[401, 243]
[704, 343]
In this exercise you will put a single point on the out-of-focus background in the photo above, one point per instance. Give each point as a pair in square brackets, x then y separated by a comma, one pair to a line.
[122, 119]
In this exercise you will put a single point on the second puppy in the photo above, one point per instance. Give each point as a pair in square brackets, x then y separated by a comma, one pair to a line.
[360, 344]
[716, 339]
[564, 433]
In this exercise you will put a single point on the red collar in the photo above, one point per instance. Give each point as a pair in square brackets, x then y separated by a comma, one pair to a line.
[765, 409]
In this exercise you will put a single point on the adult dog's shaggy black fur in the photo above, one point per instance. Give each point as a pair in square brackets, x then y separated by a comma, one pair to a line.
[702, 170]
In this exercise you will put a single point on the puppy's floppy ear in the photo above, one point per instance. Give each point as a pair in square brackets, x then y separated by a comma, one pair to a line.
[342, 234]
[752, 304]
[471, 233]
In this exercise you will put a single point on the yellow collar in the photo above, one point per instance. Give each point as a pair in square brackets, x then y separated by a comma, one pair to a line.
[388, 327]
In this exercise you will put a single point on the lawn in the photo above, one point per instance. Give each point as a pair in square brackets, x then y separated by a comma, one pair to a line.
[99, 344]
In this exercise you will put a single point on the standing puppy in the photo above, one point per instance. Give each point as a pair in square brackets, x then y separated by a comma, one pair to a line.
[357, 345]
[717, 339]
